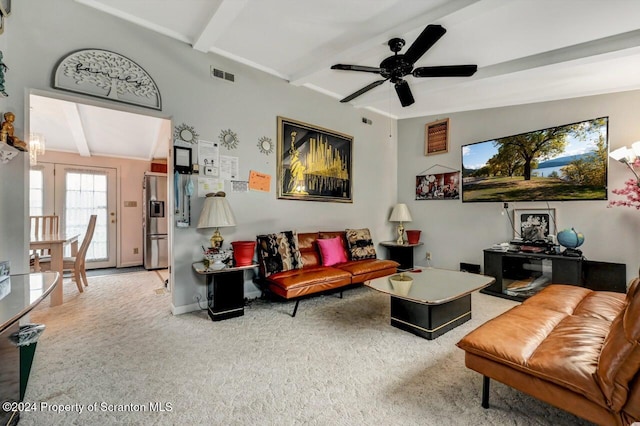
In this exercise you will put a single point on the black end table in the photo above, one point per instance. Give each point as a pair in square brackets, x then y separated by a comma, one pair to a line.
[225, 290]
[401, 253]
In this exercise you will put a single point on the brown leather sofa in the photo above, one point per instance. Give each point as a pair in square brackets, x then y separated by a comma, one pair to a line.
[574, 348]
[313, 277]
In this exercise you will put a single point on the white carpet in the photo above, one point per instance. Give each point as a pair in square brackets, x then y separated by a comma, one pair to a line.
[339, 362]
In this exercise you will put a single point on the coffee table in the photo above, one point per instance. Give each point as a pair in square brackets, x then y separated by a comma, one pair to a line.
[430, 301]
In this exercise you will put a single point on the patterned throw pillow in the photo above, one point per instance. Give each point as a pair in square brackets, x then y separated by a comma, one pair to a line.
[360, 244]
[279, 252]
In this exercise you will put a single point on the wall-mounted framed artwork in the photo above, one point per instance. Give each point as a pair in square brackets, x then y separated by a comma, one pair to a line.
[5, 10]
[438, 186]
[534, 224]
[182, 159]
[436, 137]
[107, 75]
[314, 164]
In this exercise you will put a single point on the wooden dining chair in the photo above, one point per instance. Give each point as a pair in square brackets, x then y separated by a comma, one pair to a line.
[76, 264]
[41, 225]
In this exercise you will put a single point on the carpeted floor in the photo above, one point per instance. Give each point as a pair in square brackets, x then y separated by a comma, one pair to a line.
[117, 347]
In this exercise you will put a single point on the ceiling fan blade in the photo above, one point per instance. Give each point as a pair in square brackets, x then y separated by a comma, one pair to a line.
[446, 71]
[363, 90]
[425, 40]
[404, 93]
[362, 68]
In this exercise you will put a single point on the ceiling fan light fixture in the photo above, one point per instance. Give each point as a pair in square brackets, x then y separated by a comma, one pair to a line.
[397, 66]
[404, 93]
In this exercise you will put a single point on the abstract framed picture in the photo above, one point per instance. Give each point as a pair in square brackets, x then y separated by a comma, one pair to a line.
[534, 224]
[438, 186]
[314, 164]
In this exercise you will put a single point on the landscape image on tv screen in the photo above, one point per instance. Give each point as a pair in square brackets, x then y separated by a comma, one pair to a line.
[567, 162]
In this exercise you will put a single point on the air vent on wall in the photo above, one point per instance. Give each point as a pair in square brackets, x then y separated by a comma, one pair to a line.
[216, 73]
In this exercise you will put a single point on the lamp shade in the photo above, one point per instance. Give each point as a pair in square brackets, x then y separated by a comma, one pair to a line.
[216, 212]
[400, 213]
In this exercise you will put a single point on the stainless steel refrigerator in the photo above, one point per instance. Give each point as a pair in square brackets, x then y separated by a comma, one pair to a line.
[154, 224]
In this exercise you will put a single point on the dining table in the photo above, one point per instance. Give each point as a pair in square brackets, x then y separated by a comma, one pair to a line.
[56, 244]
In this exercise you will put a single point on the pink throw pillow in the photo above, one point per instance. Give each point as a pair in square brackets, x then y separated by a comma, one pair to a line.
[332, 251]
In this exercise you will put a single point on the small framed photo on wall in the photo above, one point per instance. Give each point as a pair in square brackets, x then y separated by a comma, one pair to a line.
[436, 137]
[182, 160]
[438, 186]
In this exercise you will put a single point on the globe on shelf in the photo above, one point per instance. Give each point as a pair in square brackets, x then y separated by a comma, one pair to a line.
[571, 239]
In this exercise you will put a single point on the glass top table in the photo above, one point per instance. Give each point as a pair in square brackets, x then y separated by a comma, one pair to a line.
[429, 301]
[431, 285]
[19, 294]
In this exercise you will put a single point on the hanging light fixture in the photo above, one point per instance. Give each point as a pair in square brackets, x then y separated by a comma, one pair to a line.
[36, 147]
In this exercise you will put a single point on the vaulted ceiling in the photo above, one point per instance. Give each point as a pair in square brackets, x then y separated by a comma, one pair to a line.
[526, 51]
[89, 130]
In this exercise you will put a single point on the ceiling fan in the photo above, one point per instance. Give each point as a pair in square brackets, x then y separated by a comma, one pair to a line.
[395, 67]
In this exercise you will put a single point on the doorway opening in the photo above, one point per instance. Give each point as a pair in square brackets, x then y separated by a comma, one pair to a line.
[96, 156]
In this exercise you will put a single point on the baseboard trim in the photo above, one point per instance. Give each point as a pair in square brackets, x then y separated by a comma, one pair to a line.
[128, 264]
[253, 294]
[184, 309]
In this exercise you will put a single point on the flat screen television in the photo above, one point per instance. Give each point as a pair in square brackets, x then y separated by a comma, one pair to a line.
[561, 163]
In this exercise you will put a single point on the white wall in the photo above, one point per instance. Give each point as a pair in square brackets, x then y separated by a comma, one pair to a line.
[42, 32]
[457, 232]
[13, 181]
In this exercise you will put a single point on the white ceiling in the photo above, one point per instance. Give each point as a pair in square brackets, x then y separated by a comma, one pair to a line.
[91, 130]
[526, 50]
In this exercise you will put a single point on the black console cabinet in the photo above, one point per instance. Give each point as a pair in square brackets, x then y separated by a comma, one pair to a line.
[520, 275]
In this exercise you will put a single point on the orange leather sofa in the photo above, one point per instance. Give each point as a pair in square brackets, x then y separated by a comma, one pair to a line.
[574, 348]
[313, 277]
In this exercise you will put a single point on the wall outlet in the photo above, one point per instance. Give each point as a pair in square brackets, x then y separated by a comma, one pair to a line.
[428, 256]
[135, 250]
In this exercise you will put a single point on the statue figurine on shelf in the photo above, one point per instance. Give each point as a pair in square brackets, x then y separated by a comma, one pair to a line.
[6, 132]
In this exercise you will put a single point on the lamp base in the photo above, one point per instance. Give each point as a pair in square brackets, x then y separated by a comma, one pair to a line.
[216, 239]
[400, 239]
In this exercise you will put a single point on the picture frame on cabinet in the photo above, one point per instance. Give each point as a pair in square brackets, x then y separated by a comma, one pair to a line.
[534, 224]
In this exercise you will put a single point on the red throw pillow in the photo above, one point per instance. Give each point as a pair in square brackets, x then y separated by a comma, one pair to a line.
[332, 251]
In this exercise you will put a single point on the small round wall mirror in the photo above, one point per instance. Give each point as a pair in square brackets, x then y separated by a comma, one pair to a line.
[265, 145]
[185, 133]
[229, 139]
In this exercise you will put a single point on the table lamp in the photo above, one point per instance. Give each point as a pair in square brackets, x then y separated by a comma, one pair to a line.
[216, 213]
[400, 213]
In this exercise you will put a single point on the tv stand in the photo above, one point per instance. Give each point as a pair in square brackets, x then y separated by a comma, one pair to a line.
[572, 253]
[520, 275]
